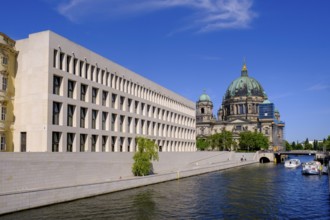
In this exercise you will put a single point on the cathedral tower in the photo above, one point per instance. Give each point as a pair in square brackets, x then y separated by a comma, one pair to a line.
[204, 107]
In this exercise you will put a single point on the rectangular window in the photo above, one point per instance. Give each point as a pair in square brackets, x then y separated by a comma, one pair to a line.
[148, 128]
[3, 113]
[121, 123]
[129, 104]
[94, 118]
[2, 143]
[148, 110]
[113, 101]
[57, 85]
[121, 140]
[70, 139]
[97, 75]
[113, 121]
[94, 141]
[113, 143]
[68, 61]
[129, 141]
[56, 141]
[142, 108]
[61, 61]
[4, 83]
[23, 141]
[56, 113]
[104, 120]
[136, 130]
[92, 73]
[129, 122]
[107, 79]
[87, 71]
[104, 143]
[54, 58]
[83, 112]
[83, 92]
[75, 62]
[122, 100]
[71, 86]
[142, 126]
[71, 109]
[136, 107]
[81, 65]
[94, 95]
[104, 98]
[102, 76]
[112, 81]
[82, 142]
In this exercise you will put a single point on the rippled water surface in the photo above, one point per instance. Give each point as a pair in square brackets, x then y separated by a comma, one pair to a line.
[260, 191]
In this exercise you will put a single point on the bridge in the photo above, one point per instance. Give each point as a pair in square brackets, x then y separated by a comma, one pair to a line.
[280, 156]
[296, 152]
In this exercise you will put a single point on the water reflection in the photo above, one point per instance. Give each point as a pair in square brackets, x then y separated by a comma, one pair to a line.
[144, 206]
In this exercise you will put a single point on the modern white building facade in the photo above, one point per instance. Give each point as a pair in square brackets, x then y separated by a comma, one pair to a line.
[70, 99]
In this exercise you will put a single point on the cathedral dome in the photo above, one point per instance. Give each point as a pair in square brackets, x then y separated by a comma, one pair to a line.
[204, 97]
[245, 86]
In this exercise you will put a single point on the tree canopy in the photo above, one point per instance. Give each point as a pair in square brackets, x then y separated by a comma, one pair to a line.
[317, 145]
[146, 152]
[252, 141]
[221, 141]
[217, 141]
[202, 144]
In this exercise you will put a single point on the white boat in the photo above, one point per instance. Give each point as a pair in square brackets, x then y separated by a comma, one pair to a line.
[312, 168]
[292, 163]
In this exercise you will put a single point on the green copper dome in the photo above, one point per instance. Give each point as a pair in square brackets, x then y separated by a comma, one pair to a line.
[245, 86]
[204, 97]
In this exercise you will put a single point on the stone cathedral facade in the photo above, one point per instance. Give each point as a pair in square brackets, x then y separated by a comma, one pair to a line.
[245, 107]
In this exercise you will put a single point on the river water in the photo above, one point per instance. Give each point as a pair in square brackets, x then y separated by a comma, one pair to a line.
[259, 191]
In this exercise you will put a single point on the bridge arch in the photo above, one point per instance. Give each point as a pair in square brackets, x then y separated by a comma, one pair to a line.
[264, 160]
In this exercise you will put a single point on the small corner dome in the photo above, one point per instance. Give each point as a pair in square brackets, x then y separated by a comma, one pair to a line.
[266, 102]
[204, 97]
[276, 111]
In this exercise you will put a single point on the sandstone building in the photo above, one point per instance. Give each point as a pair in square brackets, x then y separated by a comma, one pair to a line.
[8, 56]
[70, 99]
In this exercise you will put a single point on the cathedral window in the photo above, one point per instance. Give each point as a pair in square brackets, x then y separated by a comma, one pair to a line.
[4, 83]
[202, 110]
[238, 128]
[3, 143]
[4, 60]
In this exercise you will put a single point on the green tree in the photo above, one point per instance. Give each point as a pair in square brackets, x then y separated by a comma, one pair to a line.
[226, 140]
[287, 146]
[253, 141]
[214, 141]
[202, 144]
[299, 146]
[293, 145]
[221, 141]
[327, 144]
[307, 145]
[146, 152]
[315, 145]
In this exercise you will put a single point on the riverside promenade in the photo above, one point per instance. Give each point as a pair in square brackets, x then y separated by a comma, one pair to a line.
[30, 180]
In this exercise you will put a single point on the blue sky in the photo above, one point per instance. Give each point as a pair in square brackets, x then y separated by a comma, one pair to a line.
[191, 45]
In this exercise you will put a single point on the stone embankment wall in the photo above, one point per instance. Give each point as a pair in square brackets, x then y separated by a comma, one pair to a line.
[29, 180]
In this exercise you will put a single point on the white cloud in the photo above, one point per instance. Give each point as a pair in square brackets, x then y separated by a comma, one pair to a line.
[319, 87]
[206, 15]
